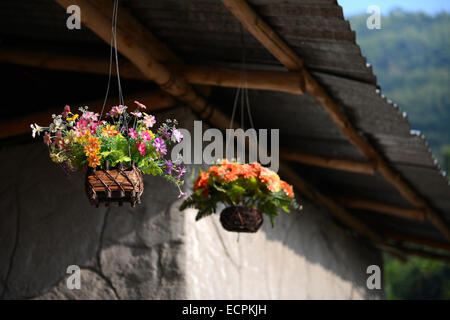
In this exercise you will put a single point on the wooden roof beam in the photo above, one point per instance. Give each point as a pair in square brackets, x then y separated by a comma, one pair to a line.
[289, 82]
[356, 203]
[425, 254]
[327, 162]
[393, 235]
[154, 100]
[268, 38]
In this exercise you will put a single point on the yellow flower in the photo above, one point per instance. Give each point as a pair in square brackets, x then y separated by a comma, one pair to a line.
[55, 157]
[151, 134]
[74, 117]
[84, 138]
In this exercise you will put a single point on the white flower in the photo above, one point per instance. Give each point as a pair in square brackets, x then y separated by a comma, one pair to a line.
[177, 136]
[36, 129]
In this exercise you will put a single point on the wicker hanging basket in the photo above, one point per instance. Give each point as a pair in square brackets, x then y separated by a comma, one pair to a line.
[241, 219]
[116, 185]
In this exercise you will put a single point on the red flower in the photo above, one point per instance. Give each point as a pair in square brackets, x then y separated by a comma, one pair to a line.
[66, 111]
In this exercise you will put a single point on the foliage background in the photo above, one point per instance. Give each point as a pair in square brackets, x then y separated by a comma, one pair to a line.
[410, 55]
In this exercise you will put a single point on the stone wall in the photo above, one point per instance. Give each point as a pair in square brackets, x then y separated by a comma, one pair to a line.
[156, 252]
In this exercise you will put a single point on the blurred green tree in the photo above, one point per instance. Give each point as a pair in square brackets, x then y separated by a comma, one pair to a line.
[416, 279]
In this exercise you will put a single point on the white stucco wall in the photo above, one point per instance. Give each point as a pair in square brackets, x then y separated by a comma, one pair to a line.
[305, 256]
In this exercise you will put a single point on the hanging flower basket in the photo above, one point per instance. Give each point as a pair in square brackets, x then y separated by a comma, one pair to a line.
[114, 152]
[248, 191]
[241, 219]
[115, 185]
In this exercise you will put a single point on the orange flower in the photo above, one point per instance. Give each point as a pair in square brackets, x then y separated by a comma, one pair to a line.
[218, 171]
[256, 167]
[93, 147]
[247, 171]
[90, 150]
[94, 160]
[213, 170]
[109, 131]
[288, 188]
[202, 181]
[266, 175]
[94, 142]
[230, 175]
[270, 178]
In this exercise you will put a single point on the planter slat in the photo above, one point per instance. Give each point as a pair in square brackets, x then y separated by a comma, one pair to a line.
[117, 185]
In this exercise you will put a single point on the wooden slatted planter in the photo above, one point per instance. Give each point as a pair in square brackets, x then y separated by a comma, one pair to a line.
[241, 219]
[116, 185]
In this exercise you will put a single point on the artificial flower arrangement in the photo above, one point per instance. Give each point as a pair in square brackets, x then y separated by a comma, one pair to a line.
[114, 151]
[246, 189]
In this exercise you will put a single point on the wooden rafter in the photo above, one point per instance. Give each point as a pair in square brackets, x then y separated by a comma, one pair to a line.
[416, 240]
[50, 60]
[154, 100]
[135, 50]
[265, 34]
[356, 203]
[268, 38]
[425, 254]
[290, 82]
[327, 162]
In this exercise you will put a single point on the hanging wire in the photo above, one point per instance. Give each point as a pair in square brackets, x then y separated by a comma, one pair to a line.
[242, 91]
[113, 48]
[116, 7]
[110, 65]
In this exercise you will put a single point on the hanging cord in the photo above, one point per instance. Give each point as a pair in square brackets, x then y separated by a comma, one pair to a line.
[116, 7]
[113, 48]
[110, 65]
[247, 100]
[242, 91]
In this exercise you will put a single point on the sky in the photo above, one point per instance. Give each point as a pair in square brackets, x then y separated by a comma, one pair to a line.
[352, 7]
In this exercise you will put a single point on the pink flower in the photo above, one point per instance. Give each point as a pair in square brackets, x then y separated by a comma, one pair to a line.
[133, 134]
[79, 132]
[149, 121]
[80, 128]
[90, 116]
[58, 138]
[140, 105]
[81, 124]
[141, 147]
[93, 128]
[116, 111]
[66, 111]
[146, 136]
[137, 114]
[47, 139]
[176, 136]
